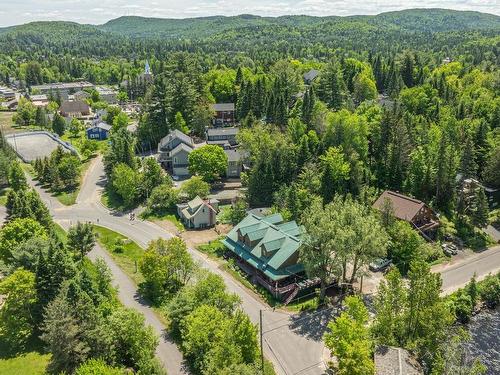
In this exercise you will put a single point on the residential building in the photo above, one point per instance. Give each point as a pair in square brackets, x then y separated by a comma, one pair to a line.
[174, 150]
[234, 163]
[62, 89]
[469, 187]
[413, 211]
[310, 76]
[41, 100]
[224, 114]
[75, 108]
[81, 95]
[108, 95]
[11, 104]
[267, 248]
[7, 93]
[391, 361]
[224, 137]
[99, 131]
[199, 213]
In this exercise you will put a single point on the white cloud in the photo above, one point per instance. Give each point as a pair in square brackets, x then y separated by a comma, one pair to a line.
[100, 11]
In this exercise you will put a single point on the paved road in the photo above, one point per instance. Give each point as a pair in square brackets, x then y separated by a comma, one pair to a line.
[456, 275]
[292, 342]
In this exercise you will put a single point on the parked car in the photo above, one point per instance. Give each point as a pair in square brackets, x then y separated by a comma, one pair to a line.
[379, 264]
[449, 249]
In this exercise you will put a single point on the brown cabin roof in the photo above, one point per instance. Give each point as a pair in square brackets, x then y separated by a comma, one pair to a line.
[405, 208]
[76, 106]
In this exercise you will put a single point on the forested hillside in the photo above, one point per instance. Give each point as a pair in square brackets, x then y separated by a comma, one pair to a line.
[416, 20]
[294, 36]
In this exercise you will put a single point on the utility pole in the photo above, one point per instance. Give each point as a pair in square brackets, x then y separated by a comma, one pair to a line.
[261, 345]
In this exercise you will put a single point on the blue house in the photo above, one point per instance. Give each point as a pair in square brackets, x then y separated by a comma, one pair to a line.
[99, 131]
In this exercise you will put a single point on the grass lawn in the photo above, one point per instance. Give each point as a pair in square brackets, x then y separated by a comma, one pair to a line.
[67, 198]
[113, 201]
[31, 363]
[77, 142]
[124, 251]
[60, 233]
[169, 215]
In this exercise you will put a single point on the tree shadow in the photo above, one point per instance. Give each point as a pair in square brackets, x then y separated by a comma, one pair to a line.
[313, 325]
[33, 344]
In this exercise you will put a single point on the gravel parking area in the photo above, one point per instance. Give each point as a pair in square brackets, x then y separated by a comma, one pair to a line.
[31, 146]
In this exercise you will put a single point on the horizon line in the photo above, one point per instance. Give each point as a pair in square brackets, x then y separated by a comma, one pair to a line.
[249, 14]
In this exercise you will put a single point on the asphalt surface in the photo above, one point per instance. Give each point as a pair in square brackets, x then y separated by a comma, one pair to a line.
[292, 342]
[32, 146]
[456, 275]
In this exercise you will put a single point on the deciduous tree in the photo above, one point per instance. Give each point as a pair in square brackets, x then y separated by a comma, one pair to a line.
[81, 239]
[209, 162]
[349, 341]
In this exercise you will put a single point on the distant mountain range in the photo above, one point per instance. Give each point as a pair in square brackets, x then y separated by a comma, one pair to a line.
[407, 21]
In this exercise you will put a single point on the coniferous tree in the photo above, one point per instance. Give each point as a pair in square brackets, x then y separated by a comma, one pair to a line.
[407, 70]
[58, 124]
[481, 147]
[480, 210]
[468, 166]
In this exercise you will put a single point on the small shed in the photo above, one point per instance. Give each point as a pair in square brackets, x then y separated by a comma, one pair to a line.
[99, 131]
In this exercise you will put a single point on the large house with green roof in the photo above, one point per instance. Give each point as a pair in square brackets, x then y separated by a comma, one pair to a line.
[267, 248]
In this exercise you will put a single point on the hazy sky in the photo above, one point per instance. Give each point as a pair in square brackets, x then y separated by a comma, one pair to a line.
[14, 12]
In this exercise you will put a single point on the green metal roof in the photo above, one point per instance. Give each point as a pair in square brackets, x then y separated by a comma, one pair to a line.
[282, 240]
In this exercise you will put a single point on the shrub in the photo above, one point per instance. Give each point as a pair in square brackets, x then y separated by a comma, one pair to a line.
[489, 290]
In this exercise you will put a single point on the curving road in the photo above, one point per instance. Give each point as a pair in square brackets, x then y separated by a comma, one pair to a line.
[292, 342]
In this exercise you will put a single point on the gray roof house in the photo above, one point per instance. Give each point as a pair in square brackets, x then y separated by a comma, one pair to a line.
[234, 163]
[390, 361]
[311, 75]
[174, 150]
[225, 137]
[199, 213]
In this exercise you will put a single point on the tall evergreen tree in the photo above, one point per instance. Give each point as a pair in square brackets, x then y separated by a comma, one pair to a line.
[407, 70]
[468, 166]
[480, 210]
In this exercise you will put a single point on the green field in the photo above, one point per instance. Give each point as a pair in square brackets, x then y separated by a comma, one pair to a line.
[32, 363]
[124, 252]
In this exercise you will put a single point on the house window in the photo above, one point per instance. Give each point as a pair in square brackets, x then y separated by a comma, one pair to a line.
[175, 160]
